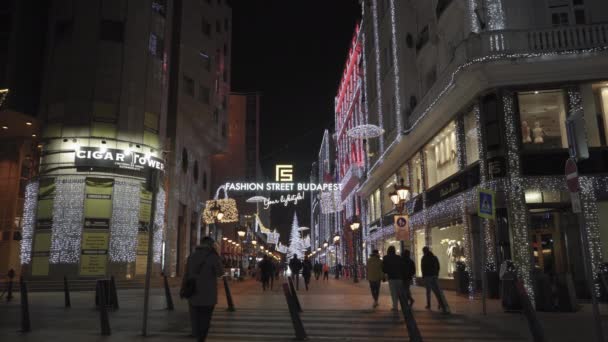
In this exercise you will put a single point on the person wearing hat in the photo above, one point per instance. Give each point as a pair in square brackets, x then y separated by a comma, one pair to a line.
[374, 275]
[199, 285]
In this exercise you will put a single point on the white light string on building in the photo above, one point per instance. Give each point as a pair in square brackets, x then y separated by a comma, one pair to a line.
[473, 21]
[159, 225]
[125, 220]
[377, 50]
[495, 15]
[68, 219]
[397, 75]
[29, 221]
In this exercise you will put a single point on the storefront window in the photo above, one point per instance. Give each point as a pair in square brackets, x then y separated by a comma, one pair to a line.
[416, 175]
[602, 209]
[440, 156]
[389, 186]
[371, 206]
[543, 116]
[448, 246]
[404, 174]
[602, 106]
[470, 136]
[420, 242]
[377, 203]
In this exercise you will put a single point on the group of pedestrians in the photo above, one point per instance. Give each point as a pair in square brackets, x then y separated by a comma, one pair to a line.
[399, 271]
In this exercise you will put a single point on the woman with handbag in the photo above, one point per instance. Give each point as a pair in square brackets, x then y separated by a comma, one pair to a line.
[199, 286]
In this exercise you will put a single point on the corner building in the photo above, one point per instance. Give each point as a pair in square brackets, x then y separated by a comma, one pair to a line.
[480, 101]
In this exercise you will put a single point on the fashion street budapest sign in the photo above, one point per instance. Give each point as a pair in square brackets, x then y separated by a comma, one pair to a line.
[282, 186]
[113, 158]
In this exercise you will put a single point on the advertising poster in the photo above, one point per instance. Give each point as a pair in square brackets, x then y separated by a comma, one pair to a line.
[141, 258]
[95, 237]
[94, 258]
[42, 233]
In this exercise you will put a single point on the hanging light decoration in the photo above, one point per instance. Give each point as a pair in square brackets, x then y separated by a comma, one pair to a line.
[29, 221]
[159, 225]
[68, 218]
[124, 224]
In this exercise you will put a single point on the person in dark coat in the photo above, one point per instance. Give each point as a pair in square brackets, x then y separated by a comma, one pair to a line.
[306, 271]
[317, 269]
[205, 266]
[266, 272]
[430, 273]
[409, 271]
[295, 265]
[392, 265]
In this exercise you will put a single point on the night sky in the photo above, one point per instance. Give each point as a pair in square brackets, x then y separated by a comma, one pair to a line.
[294, 53]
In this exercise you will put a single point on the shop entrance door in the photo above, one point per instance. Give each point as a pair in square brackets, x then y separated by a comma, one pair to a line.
[547, 244]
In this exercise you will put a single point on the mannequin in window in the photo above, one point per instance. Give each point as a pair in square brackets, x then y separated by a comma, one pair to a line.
[525, 132]
[538, 133]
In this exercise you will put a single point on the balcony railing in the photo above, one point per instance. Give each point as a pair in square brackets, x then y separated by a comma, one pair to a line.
[511, 44]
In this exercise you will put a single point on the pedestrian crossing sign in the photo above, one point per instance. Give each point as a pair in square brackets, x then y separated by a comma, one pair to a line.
[486, 207]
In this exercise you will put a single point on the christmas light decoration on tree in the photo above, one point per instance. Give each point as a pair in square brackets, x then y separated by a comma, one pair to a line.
[159, 225]
[29, 221]
[296, 244]
[125, 220]
[68, 220]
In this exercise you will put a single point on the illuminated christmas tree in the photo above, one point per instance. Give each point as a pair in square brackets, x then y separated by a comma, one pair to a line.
[296, 244]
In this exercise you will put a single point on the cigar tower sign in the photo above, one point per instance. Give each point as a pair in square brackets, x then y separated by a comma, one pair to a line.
[95, 157]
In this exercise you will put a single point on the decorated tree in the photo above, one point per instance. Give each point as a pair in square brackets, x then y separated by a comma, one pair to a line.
[296, 244]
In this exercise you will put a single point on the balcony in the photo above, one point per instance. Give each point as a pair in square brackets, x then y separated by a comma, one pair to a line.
[508, 45]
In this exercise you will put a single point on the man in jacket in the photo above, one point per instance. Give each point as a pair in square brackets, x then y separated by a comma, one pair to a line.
[409, 271]
[430, 273]
[392, 265]
[306, 271]
[374, 275]
[295, 265]
[204, 266]
[266, 272]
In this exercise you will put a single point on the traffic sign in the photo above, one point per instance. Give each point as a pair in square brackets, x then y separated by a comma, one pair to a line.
[486, 208]
[572, 175]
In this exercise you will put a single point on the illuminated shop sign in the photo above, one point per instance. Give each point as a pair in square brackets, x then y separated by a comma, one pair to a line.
[113, 158]
[287, 187]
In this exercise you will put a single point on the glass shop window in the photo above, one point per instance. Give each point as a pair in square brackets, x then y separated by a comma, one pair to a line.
[471, 137]
[448, 246]
[387, 188]
[441, 156]
[416, 164]
[543, 116]
[420, 242]
[377, 203]
[601, 107]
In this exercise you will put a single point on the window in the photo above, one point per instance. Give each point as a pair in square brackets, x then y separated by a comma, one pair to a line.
[440, 156]
[543, 116]
[416, 183]
[448, 245]
[601, 104]
[203, 94]
[579, 16]
[206, 27]
[420, 241]
[188, 86]
[559, 19]
[470, 137]
[387, 187]
[377, 202]
[111, 30]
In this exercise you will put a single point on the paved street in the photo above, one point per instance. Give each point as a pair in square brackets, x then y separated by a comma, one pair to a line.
[334, 311]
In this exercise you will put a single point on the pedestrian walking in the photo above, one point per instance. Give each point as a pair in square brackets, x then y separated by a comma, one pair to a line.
[306, 271]
[199, 286]
[430, 273]
[409, 271]
[265, 267]
[338, 270]
[273, 271]
[374, 275]
[317, 269]
[295, 265]
[325, 272]
[392, 265]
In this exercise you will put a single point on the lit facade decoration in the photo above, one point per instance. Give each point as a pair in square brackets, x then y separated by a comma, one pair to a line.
[68, 216]
[488, 135]
[29, 221]
[226, 205]
[125, 223]
[159, 225]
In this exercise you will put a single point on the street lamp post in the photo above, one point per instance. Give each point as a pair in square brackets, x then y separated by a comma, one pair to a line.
[399, 197]
[354, 226]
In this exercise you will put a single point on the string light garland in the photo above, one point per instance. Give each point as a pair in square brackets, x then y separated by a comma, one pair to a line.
[377, 50]
[473, 21]
[68, 219]
[29, 221]
[397, 73]
[159, 225]
[125, 220]
[495, 14]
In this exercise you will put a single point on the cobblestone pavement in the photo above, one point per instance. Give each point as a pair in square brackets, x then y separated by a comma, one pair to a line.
[337, 310]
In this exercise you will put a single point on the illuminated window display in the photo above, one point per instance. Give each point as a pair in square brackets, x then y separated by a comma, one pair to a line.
[419, 243]
[416, 175]
[470, 136]
[448, 246]
[543, 116]
[602, 104]
[389, 185]
[603, 225]
[441, 155]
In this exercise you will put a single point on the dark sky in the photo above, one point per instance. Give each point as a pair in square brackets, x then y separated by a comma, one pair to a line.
[294, 53]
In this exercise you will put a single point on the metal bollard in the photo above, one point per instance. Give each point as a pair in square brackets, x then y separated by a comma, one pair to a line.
[168, 294]
[298, 327]
[113, 294]
[103, 310]
[228, 296]
[66, 293]
[410, 321]
[25, 307]
[294, 295]
[533, 323]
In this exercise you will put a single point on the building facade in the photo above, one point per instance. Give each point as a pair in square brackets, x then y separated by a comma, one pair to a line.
[477, 94]
[128, 90]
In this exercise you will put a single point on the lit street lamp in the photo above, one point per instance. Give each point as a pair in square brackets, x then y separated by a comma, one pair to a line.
[400, 196]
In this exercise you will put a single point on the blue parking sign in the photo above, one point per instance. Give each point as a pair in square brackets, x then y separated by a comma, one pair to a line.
[486, 207]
